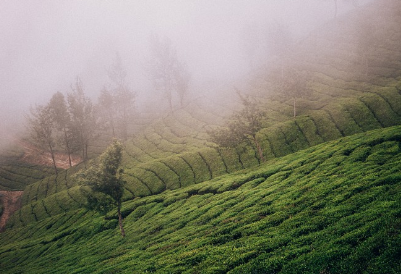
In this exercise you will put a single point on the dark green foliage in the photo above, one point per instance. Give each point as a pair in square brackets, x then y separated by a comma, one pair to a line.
[330, 208]
[326, 208]
[105, 182]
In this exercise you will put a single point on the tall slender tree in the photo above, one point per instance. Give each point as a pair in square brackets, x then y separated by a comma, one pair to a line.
[182, 81]
[166, 72]
[294, 86]
[83, 120]
[119, 102]
[62, 122]
[106, 110]
[161, 67]
[41, 126]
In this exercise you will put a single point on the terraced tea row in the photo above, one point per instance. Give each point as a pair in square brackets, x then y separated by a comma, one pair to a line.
[334, 205]
[346, 117]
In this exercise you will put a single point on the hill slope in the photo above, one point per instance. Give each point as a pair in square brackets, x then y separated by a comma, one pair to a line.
[332, 208]
[316, 206]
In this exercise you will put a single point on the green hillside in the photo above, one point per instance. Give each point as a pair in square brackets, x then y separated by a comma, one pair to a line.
[327, 200]
[332, 208]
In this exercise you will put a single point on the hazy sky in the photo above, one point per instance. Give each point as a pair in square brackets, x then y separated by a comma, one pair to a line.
[46, 44]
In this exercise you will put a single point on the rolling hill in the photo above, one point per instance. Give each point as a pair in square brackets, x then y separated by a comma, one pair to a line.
[325, 201]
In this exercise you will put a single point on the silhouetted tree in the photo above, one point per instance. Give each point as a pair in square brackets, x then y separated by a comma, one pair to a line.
[161, 66]
[294, 86]
[166, 72]
[83, 120]
[41, 127]
[62, 122]
[123, 98]
[106, 110]
[105, 182]
[181, 81]
[242, 127]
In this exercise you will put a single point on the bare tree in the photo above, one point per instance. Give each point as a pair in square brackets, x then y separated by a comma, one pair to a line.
[62, 122]
[242, 127]
[106, 110]
[41, 127]
[83, 120]
[294, 86]
[161, 67]
[119, 103]
[166, 72]
[181, 81]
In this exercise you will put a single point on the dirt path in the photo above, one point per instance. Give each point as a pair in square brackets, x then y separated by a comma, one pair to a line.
[11, 201]
[34, 155]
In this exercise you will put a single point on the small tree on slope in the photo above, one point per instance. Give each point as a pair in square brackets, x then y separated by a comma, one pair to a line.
[243, 127]
[105, 182]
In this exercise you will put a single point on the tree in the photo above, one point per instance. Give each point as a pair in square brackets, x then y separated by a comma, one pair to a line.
[294, 86]
[83, 120]
[41, 127]
[62, 122]
[105, 182]
[106, 110]
[117, 105]
[166, 72]
[181, 79]
[242, 127]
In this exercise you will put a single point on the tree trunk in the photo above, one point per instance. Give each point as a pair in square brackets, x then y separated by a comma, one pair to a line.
[67, 146]
[53, 158]
[120, 221]
[294, 105]
[259, 148]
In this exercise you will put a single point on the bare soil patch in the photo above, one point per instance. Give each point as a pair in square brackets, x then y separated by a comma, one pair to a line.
[11, 201]
[34, 155]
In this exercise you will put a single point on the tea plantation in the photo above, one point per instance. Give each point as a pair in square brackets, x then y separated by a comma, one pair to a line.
[327, 200]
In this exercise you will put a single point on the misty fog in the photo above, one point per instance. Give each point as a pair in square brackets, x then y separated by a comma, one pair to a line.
[46, 44]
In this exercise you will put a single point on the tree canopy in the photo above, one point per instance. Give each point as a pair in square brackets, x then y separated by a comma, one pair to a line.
[243, 126]
[105, 182]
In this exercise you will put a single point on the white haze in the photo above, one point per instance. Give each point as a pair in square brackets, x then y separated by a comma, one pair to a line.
[46, 44]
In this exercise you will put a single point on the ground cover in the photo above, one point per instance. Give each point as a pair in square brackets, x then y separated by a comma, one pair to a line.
[331, 208]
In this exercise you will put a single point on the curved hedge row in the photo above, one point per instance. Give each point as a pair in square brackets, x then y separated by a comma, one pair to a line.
[342, 118]
[174, 152]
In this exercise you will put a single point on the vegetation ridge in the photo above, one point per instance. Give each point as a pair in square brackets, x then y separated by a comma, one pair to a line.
[331, 208]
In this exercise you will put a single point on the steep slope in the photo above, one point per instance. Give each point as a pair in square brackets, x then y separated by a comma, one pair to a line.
[332, 208]
[174, 152]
